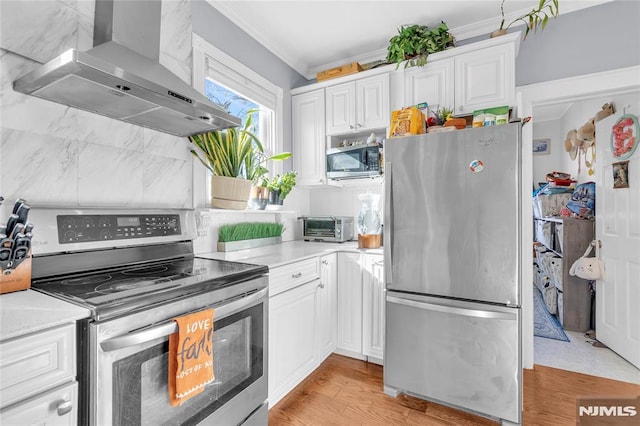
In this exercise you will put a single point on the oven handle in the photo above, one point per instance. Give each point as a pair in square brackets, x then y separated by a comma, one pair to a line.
[168, 328]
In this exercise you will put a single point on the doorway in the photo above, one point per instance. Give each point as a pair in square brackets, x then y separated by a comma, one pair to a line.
[568, 98]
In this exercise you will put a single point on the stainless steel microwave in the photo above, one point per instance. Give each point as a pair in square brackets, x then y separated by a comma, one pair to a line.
[354, 161]
[327, 228]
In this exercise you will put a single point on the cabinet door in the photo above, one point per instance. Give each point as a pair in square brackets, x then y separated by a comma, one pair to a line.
[292, 338]
[349, 302]
[309, 144]
[485, 78]
[327, 305]
[372, 102]
[373, 306]
[57, 407]
[341, 107]
[432, 83]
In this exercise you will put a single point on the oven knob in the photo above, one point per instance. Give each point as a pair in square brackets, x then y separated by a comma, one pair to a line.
[69, 235]
[87, 222]
[105, 234]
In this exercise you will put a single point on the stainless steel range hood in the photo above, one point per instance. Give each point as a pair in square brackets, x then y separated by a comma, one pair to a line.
[121, 77]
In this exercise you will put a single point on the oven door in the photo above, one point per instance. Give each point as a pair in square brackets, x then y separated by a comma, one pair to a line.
[128, 381]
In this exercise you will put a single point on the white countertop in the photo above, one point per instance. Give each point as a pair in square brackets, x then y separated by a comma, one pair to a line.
[287, 252]
[28, 311]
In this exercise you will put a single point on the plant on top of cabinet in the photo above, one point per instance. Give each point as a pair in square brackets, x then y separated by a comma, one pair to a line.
[537, 17]
[415, 42]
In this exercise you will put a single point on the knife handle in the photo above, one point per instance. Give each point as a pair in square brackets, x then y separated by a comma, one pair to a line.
[28, 228]
[18, 229]
[11, 223]
[17, 205]
[23, 212]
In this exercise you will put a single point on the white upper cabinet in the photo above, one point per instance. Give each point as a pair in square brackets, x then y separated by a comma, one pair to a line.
[432, 84]
[358, 105]
[485, 78]
[309, 144]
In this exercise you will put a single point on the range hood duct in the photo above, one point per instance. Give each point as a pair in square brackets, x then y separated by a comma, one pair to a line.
[121, 77]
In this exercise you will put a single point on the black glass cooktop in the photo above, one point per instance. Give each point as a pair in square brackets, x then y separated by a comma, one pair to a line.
[134, 284]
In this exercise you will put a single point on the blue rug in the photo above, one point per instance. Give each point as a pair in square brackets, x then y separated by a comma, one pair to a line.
[545, 324]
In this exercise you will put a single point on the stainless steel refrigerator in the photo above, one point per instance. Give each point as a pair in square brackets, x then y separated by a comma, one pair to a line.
[452, 248]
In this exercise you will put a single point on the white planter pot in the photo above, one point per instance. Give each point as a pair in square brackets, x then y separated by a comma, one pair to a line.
[229, 193]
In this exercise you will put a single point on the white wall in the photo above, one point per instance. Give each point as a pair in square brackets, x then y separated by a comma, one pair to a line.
[547, 163]
[344, 201]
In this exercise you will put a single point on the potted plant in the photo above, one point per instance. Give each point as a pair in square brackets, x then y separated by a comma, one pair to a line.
[536, 18]
[256, 171]
[280, 187]
[225, 153]
[415, 42]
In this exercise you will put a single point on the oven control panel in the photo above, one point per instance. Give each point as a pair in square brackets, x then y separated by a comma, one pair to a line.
[87, 228]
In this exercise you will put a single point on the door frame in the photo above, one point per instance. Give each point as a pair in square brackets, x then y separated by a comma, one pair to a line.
[528, 97]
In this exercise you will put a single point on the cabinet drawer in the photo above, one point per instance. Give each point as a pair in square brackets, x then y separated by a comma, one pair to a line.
[34, 363]
[56, 407]
[292, 275]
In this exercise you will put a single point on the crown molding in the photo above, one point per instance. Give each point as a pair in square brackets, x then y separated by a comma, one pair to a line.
[464, 32]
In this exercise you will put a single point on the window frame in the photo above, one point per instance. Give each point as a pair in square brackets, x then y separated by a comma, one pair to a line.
[211, 62]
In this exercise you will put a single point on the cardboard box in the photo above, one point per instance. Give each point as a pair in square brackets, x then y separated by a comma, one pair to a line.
[346, 69]
[407, 121]
[18, 278]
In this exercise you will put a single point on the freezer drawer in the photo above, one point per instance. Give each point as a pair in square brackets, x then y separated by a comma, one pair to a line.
[462, 354]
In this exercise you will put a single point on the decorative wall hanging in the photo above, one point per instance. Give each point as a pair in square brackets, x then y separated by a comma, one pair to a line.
[541, 146]
[620, 174]
[569, 146]
[624, 137]
[607, 110]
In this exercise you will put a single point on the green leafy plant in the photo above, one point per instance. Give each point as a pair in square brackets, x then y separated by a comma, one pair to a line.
[536, 18]
[415, 42]
[226, 152]
[282, 184]
[249, 231]
[235, 152]
[255, 168]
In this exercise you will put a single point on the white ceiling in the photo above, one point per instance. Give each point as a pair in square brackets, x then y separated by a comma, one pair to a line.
[312, 36]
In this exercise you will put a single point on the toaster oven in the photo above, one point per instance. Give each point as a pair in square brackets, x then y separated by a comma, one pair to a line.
[327, 228]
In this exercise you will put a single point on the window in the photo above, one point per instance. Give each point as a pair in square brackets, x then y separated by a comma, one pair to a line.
[237, 89]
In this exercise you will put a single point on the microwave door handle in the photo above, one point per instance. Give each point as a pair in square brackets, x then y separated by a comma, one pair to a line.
[166, 329]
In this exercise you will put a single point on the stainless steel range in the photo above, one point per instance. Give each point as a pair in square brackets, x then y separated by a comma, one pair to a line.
[135, 271]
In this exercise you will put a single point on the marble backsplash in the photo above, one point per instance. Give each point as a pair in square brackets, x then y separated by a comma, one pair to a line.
[51, 154]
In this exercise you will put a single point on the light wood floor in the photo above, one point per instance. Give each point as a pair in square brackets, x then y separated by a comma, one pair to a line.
[345, 391]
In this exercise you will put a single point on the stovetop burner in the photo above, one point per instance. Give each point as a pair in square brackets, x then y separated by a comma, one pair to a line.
[137, 285]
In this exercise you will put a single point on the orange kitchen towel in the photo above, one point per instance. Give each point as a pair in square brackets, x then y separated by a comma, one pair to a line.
[191, 356]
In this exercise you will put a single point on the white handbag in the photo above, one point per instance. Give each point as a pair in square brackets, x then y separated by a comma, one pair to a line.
[589, 268]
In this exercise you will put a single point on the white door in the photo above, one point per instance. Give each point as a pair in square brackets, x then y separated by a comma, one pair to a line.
[309, 137]
[618, 227]
[372, 102]
[349, 302]
[485, 78]
[341, 108]
[327, 300]
[432, 83]
[373, 306]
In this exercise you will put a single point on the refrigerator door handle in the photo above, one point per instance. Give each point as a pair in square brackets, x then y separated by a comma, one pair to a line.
[388, 221]
[480, 313]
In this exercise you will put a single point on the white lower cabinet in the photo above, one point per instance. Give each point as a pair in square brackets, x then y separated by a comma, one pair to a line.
[361, 305]
[317, 306]
[38, 383]
[292, 340]
[373, 306]
[327, 305]
[302, 321]
[56, 407]
[349, 304]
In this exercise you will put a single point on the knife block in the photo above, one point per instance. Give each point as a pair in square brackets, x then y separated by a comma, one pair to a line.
[16, 279]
